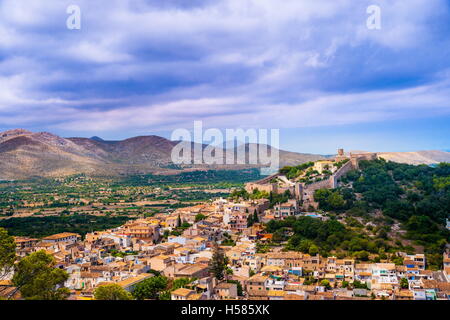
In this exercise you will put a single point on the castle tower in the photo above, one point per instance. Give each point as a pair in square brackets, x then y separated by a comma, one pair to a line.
[340, 155]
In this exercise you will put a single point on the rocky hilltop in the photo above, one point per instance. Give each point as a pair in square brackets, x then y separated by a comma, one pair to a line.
[418, 157]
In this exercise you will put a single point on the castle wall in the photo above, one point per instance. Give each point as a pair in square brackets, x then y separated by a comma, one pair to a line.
[305, 192]
[319, 185]
[340, 172]
[308, 190]
[271, 187]
[355, 158]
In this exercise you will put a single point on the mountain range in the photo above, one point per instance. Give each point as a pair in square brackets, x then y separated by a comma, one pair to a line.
[25, 154]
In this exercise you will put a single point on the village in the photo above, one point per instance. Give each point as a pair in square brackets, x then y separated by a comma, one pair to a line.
[182, 243]
[275, 275]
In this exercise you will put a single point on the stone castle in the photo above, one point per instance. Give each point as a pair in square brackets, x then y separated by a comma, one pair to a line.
[304, 193]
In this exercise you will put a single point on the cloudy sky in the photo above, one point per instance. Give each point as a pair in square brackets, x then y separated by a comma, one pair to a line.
[310, 68]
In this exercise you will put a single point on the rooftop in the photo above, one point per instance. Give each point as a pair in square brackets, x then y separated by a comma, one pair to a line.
[61, 236]
[183, 292]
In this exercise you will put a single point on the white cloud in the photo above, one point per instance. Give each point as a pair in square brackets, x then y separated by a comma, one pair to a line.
[143, 64]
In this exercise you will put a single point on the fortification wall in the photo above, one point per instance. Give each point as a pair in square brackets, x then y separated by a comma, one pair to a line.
[266, 179]
[305, 192]
[340, 172]
[355, 158]
[269, 187]
[318, 185]
[308, 192]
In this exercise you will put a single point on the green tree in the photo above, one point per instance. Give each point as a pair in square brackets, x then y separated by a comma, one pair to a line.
[362, 255]
[111, 292]
[37, 278]
[255, 216]
[359, 285]
[200, 217]
[404, 283]
[325, 283]
[165, 295]
[336, 201]
[7, 253]
[180, 283]
[329, 200]
[150, 288]
[185, 225]
[218, 263]
[321, 195]
[278, 236]
[313, 250]
[304, 245]
[249, 221]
